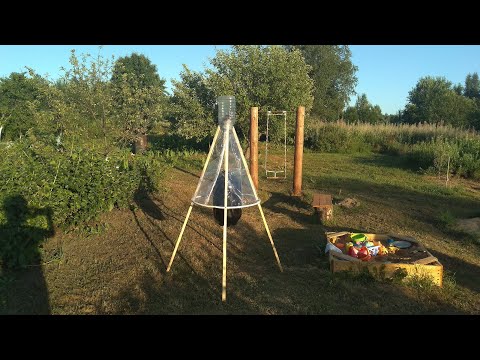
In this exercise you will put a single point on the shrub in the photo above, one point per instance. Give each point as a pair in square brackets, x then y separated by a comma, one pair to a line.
[42, 186]
[426, 146]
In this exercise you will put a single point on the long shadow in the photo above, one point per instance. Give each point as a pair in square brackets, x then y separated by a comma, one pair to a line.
[152, 244]
[385, 160]
[180, 218]
[466, 274]
[186, 172]
[23, 289]
[152, 211]
[277, 199]
[148, 206]
[420, 205]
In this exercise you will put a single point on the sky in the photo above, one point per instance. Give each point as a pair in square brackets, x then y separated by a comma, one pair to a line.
[386, 73]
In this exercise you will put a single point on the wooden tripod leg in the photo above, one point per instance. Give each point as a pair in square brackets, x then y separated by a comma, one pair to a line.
[225, 212]
[180, 237]
[270, 237]
[224, 267]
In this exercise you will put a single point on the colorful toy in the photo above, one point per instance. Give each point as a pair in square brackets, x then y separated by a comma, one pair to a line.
[348, 245]
[352, 251]
[363, 252]
[373, 250]
[392, 249]
[382, 250]
[358, 238]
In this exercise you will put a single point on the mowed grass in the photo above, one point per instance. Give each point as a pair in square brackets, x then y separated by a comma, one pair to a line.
[122, 268]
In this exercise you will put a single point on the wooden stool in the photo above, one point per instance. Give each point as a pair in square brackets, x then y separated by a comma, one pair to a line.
[322, 203]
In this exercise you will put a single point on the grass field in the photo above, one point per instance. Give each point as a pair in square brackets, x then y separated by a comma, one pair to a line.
[117, 265]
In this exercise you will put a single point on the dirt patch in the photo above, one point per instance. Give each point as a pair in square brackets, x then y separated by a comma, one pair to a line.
[349, 203]
[121, 268]
[471, 226]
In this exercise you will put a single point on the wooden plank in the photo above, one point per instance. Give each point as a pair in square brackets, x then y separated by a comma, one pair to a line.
[343, 256]
[336, 234]
[321, 199]
[426, 260]
[435, 272]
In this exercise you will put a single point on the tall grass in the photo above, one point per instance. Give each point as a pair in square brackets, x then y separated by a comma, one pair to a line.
[431, 147]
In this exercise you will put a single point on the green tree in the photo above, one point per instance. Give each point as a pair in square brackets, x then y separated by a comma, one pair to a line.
[137, 108]
[459, 89]
[269, 77]
[364, 111]
[17, 94]
[434, 100]
[144, 73]
[334, 78]
[139, 96]
[87, 92]
[472, 86]
[192, 106]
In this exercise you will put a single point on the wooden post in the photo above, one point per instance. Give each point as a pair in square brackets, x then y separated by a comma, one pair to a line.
[254, 145]
[270, 237]
[180, 237]
[298, 158]
[225, 204]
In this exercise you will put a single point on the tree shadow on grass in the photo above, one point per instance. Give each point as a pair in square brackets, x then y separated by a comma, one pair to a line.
[186, 172]
[388, 161]
[466, 274]
[23, 289]
[148, 206]
[293, 207]
[420, 205]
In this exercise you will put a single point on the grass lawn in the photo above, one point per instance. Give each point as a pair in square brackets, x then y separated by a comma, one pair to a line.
[118, 265]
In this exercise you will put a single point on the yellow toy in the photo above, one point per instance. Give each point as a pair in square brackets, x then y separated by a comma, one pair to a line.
[382, 250]
[392, 249]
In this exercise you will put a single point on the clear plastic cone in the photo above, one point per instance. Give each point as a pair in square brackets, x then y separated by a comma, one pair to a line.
[211, 187]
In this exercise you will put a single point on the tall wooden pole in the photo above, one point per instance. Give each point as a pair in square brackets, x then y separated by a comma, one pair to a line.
[254, 145]
[225, 211]
[298, 158]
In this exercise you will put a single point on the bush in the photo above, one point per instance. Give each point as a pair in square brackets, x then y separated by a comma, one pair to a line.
[426, 146]
[42, 186]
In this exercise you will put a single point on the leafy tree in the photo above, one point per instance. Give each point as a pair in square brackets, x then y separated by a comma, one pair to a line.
[472, 86]
[144, 72]
[459, 89]
[139, 96]
[364, 111]
[334, 78]
[434, 100]
[192, 106]
[87, 92]
[17, 94]
[137, 107]
[269, 77]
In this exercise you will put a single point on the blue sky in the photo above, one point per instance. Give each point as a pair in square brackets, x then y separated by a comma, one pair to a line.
[385, 73]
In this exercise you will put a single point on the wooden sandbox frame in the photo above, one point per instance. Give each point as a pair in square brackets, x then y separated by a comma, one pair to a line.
[428, 266]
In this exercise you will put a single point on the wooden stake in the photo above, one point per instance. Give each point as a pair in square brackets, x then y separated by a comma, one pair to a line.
[448, 170]
[180, 237]
[254, 145]
[191, 205]
[259, 206]
[270, 237]
[225, 198]
[298, 157]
